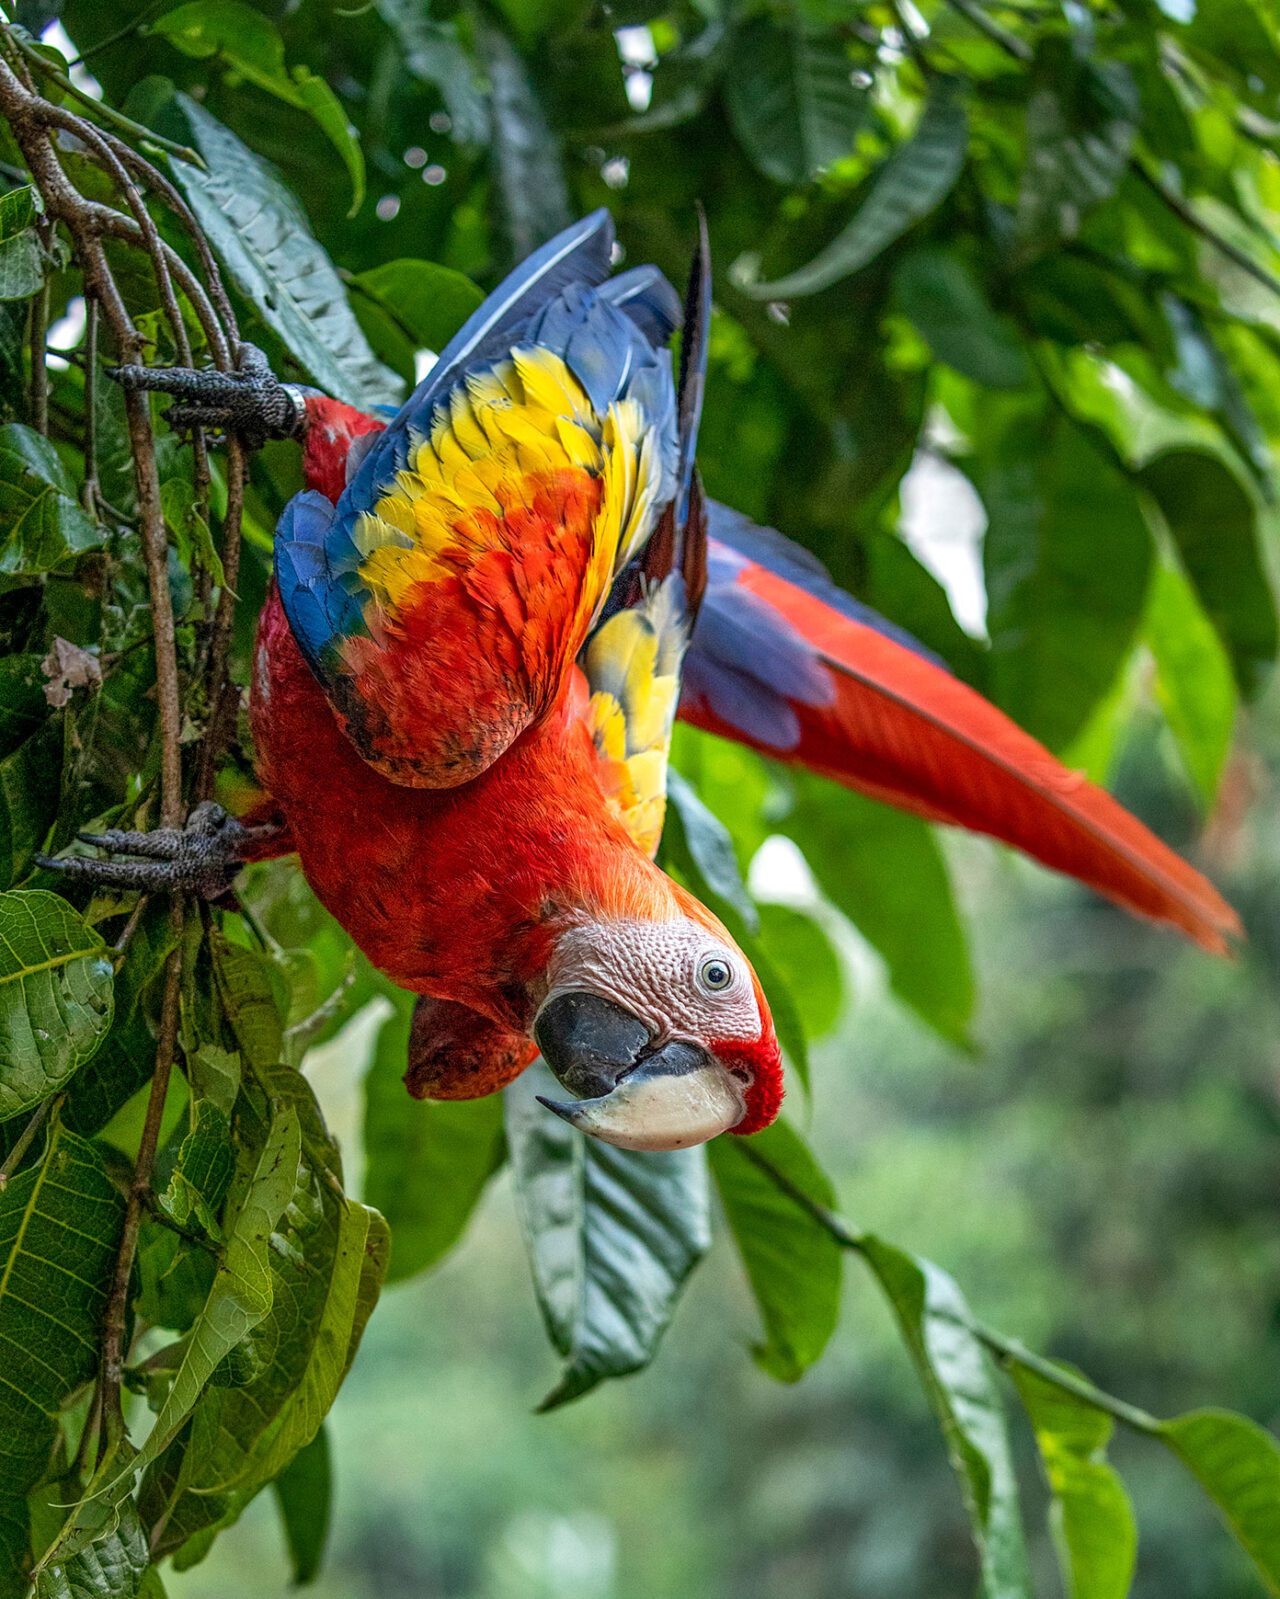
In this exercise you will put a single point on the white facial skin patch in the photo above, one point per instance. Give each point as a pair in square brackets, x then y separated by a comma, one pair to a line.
[668, 974]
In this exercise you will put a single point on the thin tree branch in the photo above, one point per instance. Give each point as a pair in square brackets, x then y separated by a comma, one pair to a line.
[113, 1325]
[13, 1159]
[1007, 1351]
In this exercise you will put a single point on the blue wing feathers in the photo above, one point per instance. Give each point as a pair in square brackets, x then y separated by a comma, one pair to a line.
[612, 335]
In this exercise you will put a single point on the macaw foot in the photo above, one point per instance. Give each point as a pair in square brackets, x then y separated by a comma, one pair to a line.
[201, 859]
[251, 402]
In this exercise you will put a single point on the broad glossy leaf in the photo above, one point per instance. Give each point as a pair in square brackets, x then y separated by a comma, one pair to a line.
[127, 1056]
[326, 1263]
[42, 525]
[526, 153]
[791, 97]
[304, 1494]
[241, 1295]
[1067, 558]
[433, 52]
[793, 1264]
[426, 1162]
[55, 997]
[202, 1172]
[22, 264]
[60, 1224]
[612, 1237]
[30, 790]
[1092, 1518]
[1196, 689]
[248, 988]
[405, 306]
[806, 959]
[1237, 1463]
[694, 829]
[111, 1567]
[961, 1385]
[1214, 524]
[884, 870]
[262, 235]
[944, 300]
[251, 46]
[915, 179]
[1080, 131]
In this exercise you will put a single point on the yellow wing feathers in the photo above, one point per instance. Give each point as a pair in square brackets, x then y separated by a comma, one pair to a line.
[494, 445]
[632, 666]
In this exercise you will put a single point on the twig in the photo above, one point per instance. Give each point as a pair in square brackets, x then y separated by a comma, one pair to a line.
[1189, 218]
[1007, 1351]
[1008, 42]
[113, 1324]
[91, 488]
[117, 119]
[143, 17]
[13, 1159]
[39, 397]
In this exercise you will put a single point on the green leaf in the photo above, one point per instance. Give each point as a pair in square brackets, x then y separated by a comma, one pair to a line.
[127, 1056]
[251, 46]
[60, 1225]
[30, 789]
[699, 833]
[304, 1494]
[1237, 1463]
[111, 1567]
[22, 263]
[958, 1378]
[884, 870]
[427, 1163]
[793, 1264]
[1080, 131]
[1067, 558]
[241, 1295]
[791, 97]
[55, 997]
[42, 526]
[405, 306]
[1213, 522]
[808, 964]
[202, 1173]
[262, 235]
[1092, 1519]
[944, 300]
[612, 1237]
[1196, 689]
[915, 179]
[326, 1264]
[432, 52]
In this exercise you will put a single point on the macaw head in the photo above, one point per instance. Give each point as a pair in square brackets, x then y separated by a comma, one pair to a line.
[660, 1027]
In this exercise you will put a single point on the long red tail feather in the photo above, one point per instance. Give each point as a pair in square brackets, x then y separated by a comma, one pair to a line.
[902, 729]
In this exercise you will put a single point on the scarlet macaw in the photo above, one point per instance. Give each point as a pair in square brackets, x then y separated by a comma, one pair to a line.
[466, 676]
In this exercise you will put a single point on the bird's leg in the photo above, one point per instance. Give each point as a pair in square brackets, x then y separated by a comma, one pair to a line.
[250, 402]
[201, 859]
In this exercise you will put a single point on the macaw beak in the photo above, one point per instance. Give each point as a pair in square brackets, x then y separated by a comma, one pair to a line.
[633, 1095]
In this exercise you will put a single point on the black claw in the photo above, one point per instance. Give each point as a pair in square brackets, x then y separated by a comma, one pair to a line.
[201, 858]
[250, 402]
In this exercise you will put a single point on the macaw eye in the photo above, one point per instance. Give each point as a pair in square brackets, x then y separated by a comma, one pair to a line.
[715, 974]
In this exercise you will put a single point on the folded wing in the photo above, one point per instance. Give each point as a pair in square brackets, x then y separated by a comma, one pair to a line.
[443, 601]
[783, 660]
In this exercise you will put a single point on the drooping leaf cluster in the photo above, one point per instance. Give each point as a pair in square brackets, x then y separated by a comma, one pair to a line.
[1027, 248]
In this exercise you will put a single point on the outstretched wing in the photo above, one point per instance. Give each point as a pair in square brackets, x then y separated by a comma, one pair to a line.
[783, 660]
[443, 602]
